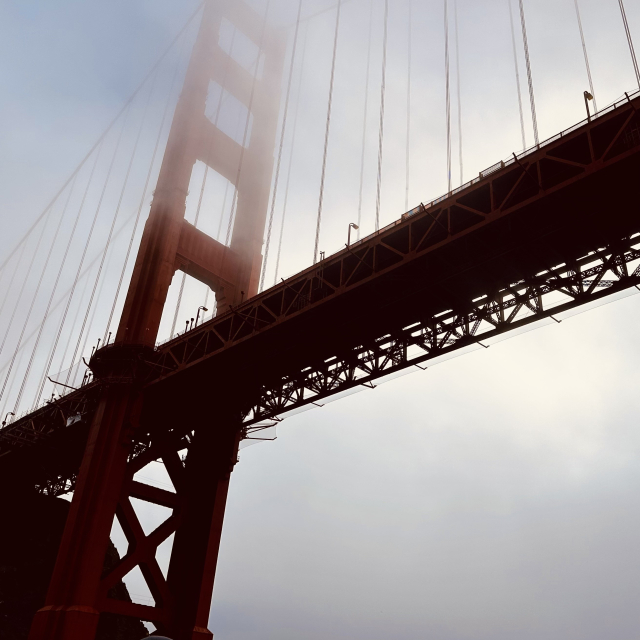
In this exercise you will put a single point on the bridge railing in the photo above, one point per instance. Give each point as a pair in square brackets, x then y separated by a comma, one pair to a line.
[481, 176]
[502, 164]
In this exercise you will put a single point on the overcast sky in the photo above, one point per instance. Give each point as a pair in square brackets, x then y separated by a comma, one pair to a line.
[494, 496]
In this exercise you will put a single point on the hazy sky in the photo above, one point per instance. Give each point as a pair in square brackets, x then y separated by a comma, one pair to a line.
[493, 496]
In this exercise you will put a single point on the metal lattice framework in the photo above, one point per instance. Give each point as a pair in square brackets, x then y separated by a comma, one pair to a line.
[538, 175]
[560, 289]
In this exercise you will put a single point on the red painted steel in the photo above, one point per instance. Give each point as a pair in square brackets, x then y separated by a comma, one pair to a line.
[78, 592]
[477, 254]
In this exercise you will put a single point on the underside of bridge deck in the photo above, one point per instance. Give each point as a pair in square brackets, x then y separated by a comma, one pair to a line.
[560, 220]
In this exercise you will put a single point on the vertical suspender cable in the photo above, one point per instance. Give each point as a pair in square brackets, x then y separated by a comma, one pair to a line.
[515, 62]
[293, 142]
[53, 290]
[5, 404]
[104, 134]
[79, 270]
[74, 322]
[11, 281]
[93, 223]
[22, 287]
[222, 210]
[408, 150]
[44, 270]
[122, 192]
[630, 41]
[364, 120]
[237, 131]
[75, 368]
[24, 282]
[455, 11]
[534, 117]
[447, 91]
[204, 178]
[75, 282]
[146, 186]
[234, 203]
[326, 134]
[586, 57]
[282, 134]
[383, 88]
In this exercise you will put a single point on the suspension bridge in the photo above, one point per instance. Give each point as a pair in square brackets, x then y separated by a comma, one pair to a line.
[544, 231]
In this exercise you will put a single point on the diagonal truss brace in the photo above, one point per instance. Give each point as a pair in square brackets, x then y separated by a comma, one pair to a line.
[554, 291]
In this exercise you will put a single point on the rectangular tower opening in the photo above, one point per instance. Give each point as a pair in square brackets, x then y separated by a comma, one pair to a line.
[228, 114]
[241, 48]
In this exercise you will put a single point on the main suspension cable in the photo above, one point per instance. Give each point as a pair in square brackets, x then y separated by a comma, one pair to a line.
[364, 119]
[63, 297]
[42, 323]
[447, 91]
[515, 62]
[630, 41]
[122, 192]
[72, 330]
[326, 134]
[234, 204]
[282, 135]
[291, 155]
[455, 11]
[27, 273]
[408, 149]
[214, 123]
[586, 57]
[534, 117]
[15, 308]
[79, 269]
[383, 89]
[75, 367]
[10, 283]
[93, 223]
[169, 101]
[104, 134]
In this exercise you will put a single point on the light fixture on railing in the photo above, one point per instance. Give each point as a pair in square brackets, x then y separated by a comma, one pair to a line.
[587, 97]
[352, 225]
[198, 314]
[4, 422]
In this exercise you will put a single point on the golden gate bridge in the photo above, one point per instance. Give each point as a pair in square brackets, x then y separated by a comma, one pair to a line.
[534, 236]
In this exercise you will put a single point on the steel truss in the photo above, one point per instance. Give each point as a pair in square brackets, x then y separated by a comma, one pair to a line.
[557, 290]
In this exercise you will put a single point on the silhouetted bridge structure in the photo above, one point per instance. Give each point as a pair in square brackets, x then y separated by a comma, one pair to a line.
[550, 230]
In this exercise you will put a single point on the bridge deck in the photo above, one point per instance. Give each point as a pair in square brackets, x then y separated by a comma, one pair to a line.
[558, 221]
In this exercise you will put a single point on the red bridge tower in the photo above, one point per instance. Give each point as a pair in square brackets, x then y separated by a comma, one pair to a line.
[79, 591]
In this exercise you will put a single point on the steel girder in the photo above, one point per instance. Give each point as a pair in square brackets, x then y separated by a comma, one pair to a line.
[548, 294]
[567, 160]
[498, 195]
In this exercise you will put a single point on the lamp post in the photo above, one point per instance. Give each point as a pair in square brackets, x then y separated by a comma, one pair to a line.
[587, 97]
[4, 422]
[198, 314]
[352, 225]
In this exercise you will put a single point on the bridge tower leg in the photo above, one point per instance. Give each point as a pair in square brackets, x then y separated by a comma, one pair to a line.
[80, 590]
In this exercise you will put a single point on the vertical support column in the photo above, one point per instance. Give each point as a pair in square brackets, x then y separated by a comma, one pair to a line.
[74, 599]
[193, 137]
[71, 611]
[155, 262]
[194, 556]
[255, 182]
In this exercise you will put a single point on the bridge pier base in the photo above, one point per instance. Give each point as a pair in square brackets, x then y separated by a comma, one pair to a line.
[70, 611]
[210, 461]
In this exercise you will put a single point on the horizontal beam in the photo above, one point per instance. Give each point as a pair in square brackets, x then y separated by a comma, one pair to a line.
[570, 164]
[152, 494]
[206, 259]
[558, 290]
